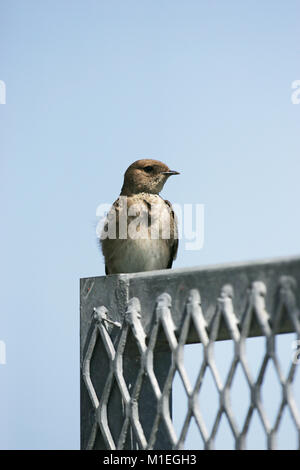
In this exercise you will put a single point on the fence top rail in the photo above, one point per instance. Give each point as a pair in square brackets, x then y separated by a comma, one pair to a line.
[114, 291]
[281, 260]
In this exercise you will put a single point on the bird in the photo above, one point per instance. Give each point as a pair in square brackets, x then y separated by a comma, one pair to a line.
[140, 232]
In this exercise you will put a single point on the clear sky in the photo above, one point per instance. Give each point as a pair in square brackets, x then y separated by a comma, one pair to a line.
[91, 86]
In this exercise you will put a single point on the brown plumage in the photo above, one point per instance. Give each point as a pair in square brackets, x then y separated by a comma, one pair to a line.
[140, 233]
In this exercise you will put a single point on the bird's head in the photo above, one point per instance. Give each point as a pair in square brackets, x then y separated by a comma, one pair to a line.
[146, 176]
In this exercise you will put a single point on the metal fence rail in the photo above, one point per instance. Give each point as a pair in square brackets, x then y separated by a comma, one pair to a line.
[133, 331]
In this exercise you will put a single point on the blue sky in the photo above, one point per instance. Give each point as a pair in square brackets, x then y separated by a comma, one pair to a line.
[204, 86]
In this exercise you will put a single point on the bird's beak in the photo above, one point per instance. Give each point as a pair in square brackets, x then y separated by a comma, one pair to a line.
[170, 172]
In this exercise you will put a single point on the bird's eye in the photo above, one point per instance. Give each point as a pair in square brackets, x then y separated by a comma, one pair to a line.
[148, 169]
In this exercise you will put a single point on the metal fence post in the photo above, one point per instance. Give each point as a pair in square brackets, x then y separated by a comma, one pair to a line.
[99, 359]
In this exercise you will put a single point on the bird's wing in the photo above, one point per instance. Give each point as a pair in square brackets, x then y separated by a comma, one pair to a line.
[107, 246]
[173, 241]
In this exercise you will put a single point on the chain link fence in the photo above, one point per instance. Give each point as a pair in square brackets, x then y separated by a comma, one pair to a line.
[134, 329]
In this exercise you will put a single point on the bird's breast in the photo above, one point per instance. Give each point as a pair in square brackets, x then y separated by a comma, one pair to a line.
[140, 255]
[149, 226]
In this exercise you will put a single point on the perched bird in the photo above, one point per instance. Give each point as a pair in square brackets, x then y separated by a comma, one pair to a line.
[140, 231]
